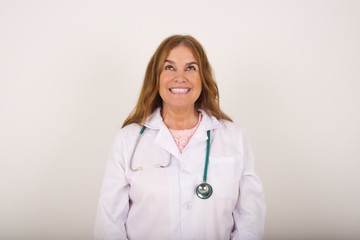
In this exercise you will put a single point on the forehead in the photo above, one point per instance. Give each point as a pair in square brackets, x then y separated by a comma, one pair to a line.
[181, 52]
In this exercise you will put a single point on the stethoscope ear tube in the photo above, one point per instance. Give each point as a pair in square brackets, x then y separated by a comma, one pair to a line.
[142, 130]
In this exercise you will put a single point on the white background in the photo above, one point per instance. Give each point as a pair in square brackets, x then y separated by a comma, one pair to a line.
[71, 71]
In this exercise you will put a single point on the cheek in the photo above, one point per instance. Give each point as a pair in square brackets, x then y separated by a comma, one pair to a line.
[164, 78]
[198, 83]
[162, 81]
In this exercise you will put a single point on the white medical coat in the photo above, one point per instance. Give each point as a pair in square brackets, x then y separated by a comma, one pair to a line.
[160, 203]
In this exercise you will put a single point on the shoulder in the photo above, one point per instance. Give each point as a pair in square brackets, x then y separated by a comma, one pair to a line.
[231, 133]
[230, 127]
[127, 133]
[130, 129]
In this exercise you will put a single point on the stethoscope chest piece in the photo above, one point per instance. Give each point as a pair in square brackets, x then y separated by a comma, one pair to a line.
[204, 190]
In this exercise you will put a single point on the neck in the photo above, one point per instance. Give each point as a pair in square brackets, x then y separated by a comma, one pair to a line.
[180, 119]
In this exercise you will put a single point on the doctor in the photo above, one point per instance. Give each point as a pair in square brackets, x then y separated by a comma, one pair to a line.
[179, 168]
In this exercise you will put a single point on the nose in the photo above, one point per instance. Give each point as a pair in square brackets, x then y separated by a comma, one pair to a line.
[180, 77]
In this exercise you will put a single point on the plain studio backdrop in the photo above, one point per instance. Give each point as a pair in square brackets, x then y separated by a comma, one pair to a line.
[71, 71]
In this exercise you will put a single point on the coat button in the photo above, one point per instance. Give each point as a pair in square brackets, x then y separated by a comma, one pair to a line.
[188, 206]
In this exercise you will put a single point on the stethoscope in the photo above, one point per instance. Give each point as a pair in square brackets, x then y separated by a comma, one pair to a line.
[203, 190]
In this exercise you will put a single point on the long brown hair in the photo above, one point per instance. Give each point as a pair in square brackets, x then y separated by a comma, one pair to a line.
[150, 99]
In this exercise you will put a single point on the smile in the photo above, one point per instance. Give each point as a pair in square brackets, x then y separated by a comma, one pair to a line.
[179, 90]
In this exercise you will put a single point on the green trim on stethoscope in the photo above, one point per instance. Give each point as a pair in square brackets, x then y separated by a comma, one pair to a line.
[207, 155]
[142, 130]
[203, 190]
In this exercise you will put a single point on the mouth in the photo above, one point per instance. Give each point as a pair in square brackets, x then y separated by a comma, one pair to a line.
[179, 90]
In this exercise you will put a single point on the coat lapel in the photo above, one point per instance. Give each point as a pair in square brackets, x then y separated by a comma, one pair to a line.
[164, 138]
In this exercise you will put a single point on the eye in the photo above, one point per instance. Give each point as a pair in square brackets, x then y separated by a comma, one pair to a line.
[169, 67]
[191, 68]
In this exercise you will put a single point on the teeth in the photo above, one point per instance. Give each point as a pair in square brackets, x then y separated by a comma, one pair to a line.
[179, 90]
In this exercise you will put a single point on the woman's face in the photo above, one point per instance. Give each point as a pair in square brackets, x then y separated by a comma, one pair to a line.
[180, 83]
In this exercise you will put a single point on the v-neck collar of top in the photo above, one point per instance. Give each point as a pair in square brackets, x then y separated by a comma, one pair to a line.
[163, 136]
[182, 137]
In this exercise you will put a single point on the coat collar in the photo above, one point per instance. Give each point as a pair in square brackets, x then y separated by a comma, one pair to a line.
[208, 122]
[164, 138]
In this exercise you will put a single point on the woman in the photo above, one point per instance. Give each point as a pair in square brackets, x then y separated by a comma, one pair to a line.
[179, 168]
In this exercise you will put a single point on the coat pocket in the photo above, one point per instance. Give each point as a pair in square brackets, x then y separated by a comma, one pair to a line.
[222, 177]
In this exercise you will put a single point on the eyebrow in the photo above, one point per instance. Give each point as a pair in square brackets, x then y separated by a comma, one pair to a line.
[187, 64]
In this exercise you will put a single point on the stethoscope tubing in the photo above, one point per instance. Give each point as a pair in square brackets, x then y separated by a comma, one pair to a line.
[207, 156]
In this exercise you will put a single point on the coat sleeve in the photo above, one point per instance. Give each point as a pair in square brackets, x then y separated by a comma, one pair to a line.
[250, 210]
[113, 204]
